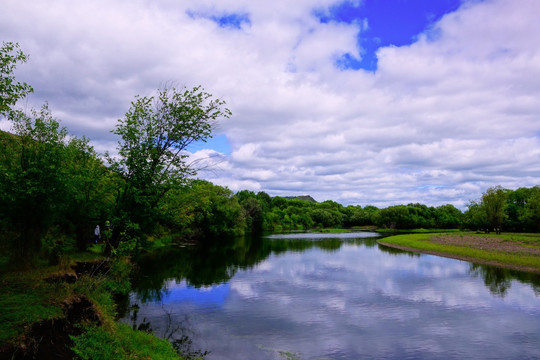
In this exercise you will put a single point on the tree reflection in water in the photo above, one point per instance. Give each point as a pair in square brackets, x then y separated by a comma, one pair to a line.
[499, 280]
[217, 262]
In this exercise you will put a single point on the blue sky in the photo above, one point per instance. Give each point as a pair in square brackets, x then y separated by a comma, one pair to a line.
[375, 102]
[388, 23]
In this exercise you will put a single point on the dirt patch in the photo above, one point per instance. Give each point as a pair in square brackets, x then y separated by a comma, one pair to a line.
[477, 242]
[50, 339]
[486, 243]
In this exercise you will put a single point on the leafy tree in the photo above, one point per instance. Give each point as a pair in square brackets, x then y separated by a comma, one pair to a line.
[355, 216]
[204, 211]
[265, 200]
[89, 189]
[448, 217]
[31, 182]
[393, 217]
[493, 201]
[371, 213]
[253, 210]
[155, 133]
[279, 202]
[531, 213]
[475, 216]
[326, 217]
[516, 203]
[11, 90]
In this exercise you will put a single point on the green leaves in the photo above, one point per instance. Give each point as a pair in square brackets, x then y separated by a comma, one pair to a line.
[155, 134]
[10, 90]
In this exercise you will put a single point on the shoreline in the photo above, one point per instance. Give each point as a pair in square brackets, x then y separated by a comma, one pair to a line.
[471, 259]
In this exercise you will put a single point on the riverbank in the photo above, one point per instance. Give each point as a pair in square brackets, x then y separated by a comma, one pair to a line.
[511, 251]
[67, 311]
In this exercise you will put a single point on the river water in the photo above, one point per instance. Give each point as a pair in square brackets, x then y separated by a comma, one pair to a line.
[321, 296]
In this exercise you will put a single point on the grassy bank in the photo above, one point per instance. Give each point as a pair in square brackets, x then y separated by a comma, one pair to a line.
[512, 251]
[67, 311]
[415, 231]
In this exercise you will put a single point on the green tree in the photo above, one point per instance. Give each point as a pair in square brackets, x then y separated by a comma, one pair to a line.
[393, 217]
[155, 133]
[10, 90]
[204, 211]
[253, 210]
[475, 216]
[494, 201]
[516, 203]
[326, 217]
[530, 218]
[448, 217]
[31, 182]
[89, 190]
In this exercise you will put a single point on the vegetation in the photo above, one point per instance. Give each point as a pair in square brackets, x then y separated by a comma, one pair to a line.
[514, 251]
[72, 318]
[122, 343]
[11, 90]
[155, 133]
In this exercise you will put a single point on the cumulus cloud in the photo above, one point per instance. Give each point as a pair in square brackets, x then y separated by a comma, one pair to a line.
[439, 121]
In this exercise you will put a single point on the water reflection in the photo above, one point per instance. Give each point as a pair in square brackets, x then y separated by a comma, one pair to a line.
[499, 280]
[217, 263]
[350, 298]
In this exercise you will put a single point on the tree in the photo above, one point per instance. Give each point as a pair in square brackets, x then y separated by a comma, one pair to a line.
[155, 133]
[516, 202]
[475, 216]
[393, 217]
[531, 214]
[493, 201]
[203, 210]
[253, 210]
[448, 217]
[31, 184]
[89, 189]
[10, 90]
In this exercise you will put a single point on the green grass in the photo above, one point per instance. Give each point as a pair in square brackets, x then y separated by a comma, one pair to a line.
[416, 231]
[121, 342]
[25, 299]
[423, 243]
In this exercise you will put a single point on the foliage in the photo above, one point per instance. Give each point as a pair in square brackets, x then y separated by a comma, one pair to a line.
[46, 182]
[10, 90]
[202, 210]
[494, 200]
[121, 343]
[155, 133]
[516, 260]
[89, 189]
[31, 183]
[26, 299]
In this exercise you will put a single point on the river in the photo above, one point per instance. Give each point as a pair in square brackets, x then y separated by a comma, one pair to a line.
[334, 296]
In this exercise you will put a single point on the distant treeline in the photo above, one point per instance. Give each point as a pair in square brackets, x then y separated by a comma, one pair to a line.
[498, 209]
[55, 189]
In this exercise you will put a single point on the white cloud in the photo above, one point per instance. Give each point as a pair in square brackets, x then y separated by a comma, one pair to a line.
[439, 121]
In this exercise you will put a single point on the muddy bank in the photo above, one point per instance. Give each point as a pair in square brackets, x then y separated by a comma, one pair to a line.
[50, 339]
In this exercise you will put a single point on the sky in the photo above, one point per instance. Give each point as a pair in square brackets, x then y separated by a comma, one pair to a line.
[367, 102]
